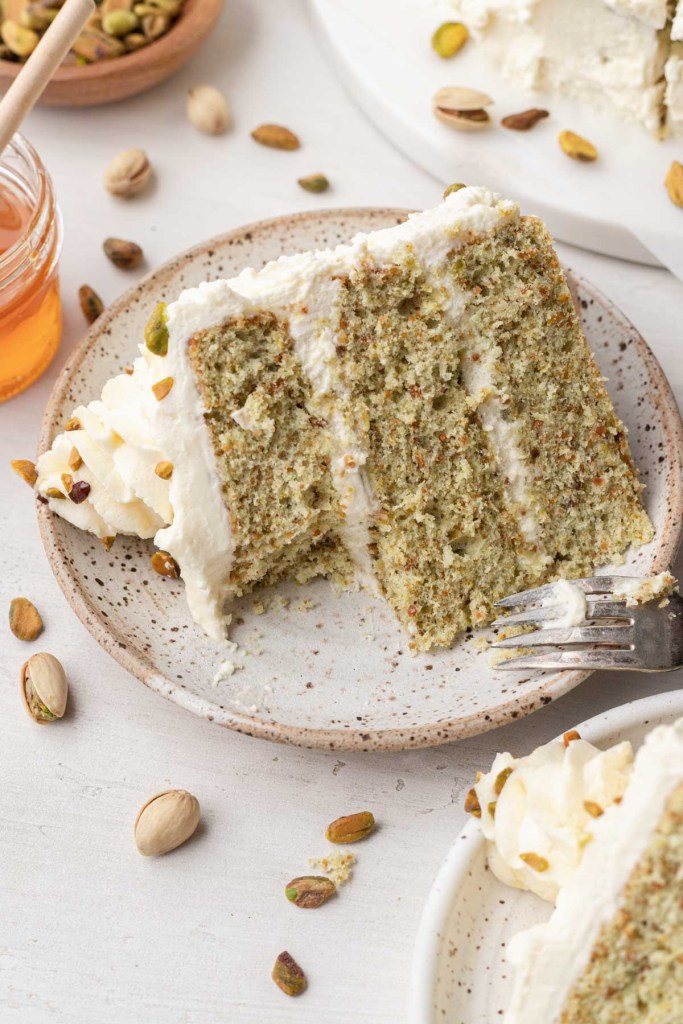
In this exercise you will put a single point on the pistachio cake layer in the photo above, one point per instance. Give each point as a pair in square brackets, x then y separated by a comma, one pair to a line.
[416, 412]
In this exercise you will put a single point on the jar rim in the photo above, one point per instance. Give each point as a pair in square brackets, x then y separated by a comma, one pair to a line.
[20, 145]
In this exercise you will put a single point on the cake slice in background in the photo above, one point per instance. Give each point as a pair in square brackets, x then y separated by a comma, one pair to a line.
[612, 952]
[416, 412]
[614, 55]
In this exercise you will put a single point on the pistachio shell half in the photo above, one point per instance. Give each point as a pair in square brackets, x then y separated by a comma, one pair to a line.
[166, 821]
[44, 689]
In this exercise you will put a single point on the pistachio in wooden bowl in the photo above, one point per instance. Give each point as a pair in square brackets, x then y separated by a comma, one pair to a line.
[127, 47]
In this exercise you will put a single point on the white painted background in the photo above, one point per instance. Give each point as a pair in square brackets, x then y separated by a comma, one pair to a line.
[90, 932]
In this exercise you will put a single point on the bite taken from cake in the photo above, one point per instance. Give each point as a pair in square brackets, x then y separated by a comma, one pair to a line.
[417, 413]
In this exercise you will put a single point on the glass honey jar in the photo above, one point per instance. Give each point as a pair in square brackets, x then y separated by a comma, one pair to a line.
[30, 242]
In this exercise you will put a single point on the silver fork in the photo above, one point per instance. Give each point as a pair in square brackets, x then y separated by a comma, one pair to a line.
[643, 638]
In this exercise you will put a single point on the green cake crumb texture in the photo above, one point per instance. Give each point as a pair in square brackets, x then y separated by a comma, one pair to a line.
[447, 538]
[275, 471]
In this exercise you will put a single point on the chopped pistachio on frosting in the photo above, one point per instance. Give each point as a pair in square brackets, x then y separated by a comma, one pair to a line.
[538, 813]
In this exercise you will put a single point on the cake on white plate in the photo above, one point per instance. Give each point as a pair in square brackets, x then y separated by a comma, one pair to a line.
[416, 412]
[620, 55]
[604, 837]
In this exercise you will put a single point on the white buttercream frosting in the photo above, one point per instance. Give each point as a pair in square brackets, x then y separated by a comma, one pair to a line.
[673, 73]
[640, 591]
[652, 12]
[549, 958]
[677, 22]
[128, 432]
[571, 605]
[545, 805]
[606, 53]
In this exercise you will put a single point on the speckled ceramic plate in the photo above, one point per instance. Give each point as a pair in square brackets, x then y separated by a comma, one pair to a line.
[319, 669]
[459, 971]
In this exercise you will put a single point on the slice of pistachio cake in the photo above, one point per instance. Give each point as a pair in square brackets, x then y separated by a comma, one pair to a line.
[416, 412]
[612, 952]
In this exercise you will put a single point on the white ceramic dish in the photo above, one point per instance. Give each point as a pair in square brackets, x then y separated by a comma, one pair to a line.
[337, 676]
[459, 971]
[617, 206]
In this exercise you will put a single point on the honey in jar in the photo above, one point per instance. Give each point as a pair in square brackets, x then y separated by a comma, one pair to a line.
[30, 240]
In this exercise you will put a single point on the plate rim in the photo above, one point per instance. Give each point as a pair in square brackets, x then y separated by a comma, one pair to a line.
[363, 739]
[469, 842]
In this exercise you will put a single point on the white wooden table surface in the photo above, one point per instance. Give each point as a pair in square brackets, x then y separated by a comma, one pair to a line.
[90, 931]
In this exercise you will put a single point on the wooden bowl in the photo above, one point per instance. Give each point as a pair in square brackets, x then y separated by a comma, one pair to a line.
[108, 81]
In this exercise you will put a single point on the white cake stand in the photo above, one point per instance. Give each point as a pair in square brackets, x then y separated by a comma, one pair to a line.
[617, 206]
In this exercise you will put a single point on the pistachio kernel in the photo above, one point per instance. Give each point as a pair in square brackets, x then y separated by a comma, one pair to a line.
[24, 619]
[164, 470]
[67, 481]
[107, 542]
[91, 304]
[135, 41]
[674, 183]
[310, 891]
[275, 136]
[92, 45]
[491, 808]
[124, 255]
[525, 120]
[570, 736]
[314, 183]
[501, 779]
[155, 25]
[455, 187]
[288, 976]
[26, 470]
[119, 23]
[73, 423]
[162, 388]
[472, 805]
[54, 492]
[20, 41]
[449, 39]
[595, 810]
[535, 861]
[75, 460]
[165, 564]
[156, 330]
[351, 828]
[576, 147]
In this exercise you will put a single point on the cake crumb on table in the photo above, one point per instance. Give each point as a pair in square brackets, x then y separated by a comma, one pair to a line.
[336, 865]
